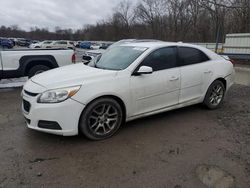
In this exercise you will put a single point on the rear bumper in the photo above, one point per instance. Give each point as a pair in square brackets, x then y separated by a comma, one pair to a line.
[230, 80]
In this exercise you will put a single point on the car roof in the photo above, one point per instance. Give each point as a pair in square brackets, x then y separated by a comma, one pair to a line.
[160, 44]
[156, 44]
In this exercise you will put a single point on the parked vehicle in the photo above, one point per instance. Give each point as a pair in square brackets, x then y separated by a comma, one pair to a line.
[95, 46]
[105, 45]
[61, 44]
[27, 62]
[35, 41]
[91, 54]
[24, 42]
[6, 43]
[85, 45]
[14, 41]
[77, 44]
[43, 44]
[127, 82]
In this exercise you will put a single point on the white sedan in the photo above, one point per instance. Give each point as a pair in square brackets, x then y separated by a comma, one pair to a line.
[127, 82]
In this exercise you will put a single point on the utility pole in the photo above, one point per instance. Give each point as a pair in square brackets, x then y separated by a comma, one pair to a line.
[217, 38]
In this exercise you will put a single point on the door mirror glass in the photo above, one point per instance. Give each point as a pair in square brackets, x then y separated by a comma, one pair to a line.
[144, 70]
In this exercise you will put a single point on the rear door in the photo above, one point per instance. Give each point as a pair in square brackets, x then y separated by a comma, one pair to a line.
[196, 72]
[151, 92]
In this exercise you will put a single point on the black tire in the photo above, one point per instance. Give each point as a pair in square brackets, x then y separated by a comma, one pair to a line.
[87, 121]
[37, 70]
[210, 100]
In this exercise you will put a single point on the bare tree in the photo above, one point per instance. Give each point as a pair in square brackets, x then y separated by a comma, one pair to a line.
[151, 12]
[125, 13]
[172, 20]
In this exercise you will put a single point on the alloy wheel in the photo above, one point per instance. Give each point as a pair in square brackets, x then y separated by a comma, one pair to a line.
[103, 119]
[216, 95]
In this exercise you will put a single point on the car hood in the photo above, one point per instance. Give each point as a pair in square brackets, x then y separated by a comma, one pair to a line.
[70, 75]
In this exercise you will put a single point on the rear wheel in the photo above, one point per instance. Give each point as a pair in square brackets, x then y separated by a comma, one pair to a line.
[37, 70]
[101, 119]
[215, 95]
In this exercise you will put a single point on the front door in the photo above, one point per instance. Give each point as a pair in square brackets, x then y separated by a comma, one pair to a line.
[151, 92]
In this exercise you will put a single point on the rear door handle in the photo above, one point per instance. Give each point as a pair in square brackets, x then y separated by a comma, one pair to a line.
[208, 72]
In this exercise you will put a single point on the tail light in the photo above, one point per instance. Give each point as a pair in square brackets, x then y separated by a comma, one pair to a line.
[232, 61]
[73, 58]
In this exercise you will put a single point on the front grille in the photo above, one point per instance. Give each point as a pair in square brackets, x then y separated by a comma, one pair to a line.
[26, 106]
[30, 94]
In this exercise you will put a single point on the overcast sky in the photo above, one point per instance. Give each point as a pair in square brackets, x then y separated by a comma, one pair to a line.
[50, 13]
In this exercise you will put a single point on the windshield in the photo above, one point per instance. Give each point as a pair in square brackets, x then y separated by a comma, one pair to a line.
[119, 57]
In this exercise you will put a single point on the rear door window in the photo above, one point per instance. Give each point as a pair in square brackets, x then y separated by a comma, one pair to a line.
[190, 56]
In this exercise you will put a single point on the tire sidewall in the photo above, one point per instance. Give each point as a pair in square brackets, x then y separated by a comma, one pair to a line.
[206, 100]
[83, 126]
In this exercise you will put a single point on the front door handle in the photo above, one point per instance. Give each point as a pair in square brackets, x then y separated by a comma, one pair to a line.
[174, 78]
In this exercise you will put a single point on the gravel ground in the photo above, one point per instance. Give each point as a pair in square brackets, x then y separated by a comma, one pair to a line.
[164, 150]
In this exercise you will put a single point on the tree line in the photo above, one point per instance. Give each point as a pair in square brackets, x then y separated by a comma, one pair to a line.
[169, 20]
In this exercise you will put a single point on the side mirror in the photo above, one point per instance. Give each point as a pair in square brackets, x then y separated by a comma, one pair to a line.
[87, 58]
[144, 70]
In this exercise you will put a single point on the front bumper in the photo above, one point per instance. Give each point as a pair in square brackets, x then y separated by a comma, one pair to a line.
[66, 114]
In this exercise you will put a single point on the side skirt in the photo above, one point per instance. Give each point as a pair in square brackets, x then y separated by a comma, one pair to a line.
[169, 108]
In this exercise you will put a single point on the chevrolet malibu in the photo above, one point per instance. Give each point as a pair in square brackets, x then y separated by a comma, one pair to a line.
[127, 82]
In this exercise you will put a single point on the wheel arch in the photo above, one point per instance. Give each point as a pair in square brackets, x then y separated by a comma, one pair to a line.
[32, 64]
[205, 98]
[223, 80]
[114, 97]
[28, 62]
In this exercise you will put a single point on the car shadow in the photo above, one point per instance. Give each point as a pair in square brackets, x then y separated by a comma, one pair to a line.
[164, 116]
[141, 123]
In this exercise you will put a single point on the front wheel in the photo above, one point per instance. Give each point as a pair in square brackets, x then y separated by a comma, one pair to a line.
[215, 95]
[101, 119]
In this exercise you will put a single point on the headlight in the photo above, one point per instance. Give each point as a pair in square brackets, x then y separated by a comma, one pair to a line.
[58, 95]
